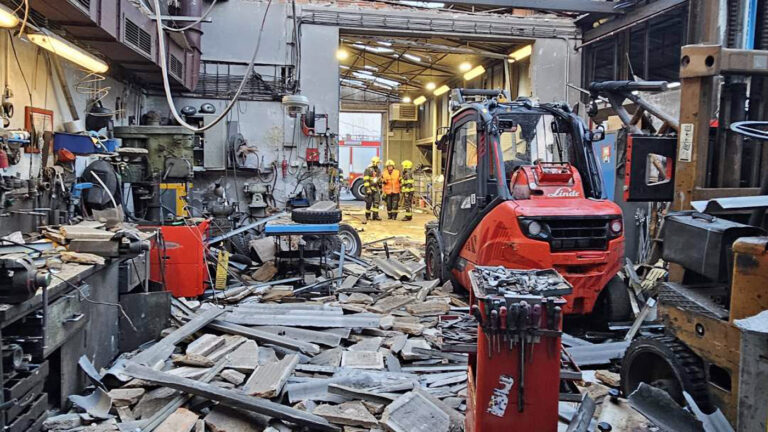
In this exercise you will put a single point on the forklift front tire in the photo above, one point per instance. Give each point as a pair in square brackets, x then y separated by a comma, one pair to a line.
[614, 304]
[434, 260]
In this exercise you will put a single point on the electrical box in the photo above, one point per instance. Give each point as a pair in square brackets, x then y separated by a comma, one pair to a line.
[403, 112]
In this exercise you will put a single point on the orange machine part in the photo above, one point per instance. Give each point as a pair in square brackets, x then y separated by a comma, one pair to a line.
[184, 263]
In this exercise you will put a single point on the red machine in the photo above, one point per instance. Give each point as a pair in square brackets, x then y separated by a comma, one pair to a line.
[505, 205]
[183, 268]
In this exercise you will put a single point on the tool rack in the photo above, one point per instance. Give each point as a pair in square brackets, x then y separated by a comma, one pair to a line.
[514, 379]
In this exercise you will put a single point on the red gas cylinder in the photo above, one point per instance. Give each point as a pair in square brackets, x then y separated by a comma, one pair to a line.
[4, 159]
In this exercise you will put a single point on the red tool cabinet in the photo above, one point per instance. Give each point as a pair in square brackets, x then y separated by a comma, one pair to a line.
[495, 401]
[184, 259]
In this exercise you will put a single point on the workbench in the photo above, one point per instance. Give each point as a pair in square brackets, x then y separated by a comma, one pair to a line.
[75, 316]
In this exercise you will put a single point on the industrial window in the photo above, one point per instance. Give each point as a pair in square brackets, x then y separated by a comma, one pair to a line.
[464, 159]
[649, 50]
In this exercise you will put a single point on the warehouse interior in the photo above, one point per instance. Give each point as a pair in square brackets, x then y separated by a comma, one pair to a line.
[383, 215]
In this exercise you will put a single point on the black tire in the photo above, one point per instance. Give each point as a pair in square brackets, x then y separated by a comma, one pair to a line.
[351, 240]
[434, 260]
[436, 210]
[614, 304]
[308, 216]
[358, 189]
[665, 362]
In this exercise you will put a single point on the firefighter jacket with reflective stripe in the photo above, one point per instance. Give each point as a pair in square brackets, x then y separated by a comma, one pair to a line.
[407, 181]
[372, 177]
[391, 181]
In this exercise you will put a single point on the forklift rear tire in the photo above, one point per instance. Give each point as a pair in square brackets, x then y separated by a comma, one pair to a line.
[348, 235]
[308, 216]
[434, 260]
[665, 362]
[358, 189]
[614, 304]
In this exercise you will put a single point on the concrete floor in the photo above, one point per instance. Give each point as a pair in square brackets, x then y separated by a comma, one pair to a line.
[354, 214]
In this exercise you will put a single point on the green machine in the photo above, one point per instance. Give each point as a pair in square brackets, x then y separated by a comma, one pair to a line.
[170, 149]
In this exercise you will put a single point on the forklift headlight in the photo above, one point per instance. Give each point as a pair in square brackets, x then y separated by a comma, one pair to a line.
[534, 228]
[616, 226]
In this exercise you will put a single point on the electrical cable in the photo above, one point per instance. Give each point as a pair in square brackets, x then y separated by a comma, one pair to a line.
[166, 81]
[111, 197]
[21, 70]
[89, 300]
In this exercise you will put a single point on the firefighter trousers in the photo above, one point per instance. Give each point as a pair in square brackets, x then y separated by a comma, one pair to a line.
[393, 201]
[372, 203]
[408, 205]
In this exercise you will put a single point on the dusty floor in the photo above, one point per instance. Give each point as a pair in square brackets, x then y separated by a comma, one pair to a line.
[354, 214]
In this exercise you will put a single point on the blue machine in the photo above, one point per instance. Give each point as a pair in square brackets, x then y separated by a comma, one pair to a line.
[605, 151]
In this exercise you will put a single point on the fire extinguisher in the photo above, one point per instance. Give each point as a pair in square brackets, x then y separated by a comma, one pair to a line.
[284, 168]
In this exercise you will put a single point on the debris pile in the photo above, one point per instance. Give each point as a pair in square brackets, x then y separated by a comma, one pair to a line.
[358, 348]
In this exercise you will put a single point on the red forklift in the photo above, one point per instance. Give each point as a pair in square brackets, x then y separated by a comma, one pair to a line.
[523, 190]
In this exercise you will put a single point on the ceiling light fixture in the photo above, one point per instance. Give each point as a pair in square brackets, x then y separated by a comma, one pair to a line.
[474, 73]
[466, 66]
[68, 50]
[521, 53]
[373, 68]
[406, 99]
[430, 86]
[441, 90]
[8, 19]
[342, 54]
[412, 57]
[419, 100]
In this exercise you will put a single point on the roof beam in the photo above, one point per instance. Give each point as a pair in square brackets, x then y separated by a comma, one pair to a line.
[578, 6]
[426, 46]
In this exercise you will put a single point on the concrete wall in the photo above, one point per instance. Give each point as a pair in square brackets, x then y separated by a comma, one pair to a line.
[276, 137]
[554, 64]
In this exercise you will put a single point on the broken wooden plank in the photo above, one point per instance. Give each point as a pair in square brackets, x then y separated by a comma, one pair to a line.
[358, 394]
[348, 321]
[264, 337]
[182, 420]
[231, 398]
[362, 360]
[348, 413]
[245, 358]
[179, 400]
[388, 304]
[160, 351]
[414, 412]
[304, 335]
[205, 345]
[267, 380]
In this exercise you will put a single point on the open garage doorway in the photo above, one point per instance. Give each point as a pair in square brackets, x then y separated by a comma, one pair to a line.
[406, 81]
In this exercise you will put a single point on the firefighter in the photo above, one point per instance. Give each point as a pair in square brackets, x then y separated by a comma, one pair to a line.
[407, 189]
[371, 181]
[391, 180]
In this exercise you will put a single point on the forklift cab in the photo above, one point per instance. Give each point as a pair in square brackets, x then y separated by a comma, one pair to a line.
[510, 160]
[489, 138]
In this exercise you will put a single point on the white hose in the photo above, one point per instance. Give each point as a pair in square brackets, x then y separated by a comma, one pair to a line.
[166, 82]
